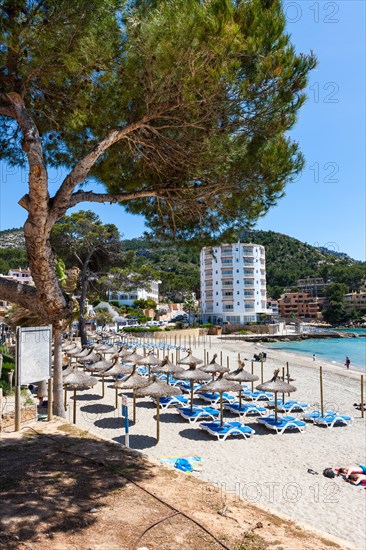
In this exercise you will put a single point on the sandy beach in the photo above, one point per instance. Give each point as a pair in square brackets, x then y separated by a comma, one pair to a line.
[268, 470]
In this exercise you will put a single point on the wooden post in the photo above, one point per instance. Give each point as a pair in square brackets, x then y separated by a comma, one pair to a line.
[116, 401]
[134, 406]
[65, 398]
[252, 373]
[50, 393]
[321, 391]
[228, 362]
[74, 416]
[220, 357]
[362, 400]
[157, 418]
[238, 356]
[288, 374]
[262, 372]
[283, 378]
[102, 385]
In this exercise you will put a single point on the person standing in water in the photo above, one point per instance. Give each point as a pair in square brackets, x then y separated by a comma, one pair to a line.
[348, 362]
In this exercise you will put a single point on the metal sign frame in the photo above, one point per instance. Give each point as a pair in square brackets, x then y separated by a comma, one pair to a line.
[41, 337]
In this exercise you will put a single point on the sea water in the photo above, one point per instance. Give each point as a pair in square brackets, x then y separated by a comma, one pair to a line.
[334, 350]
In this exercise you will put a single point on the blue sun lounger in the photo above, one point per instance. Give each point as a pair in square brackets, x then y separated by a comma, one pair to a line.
[283, 423]
[172, 401]
[293, 406]
[214, 398]
[198, 413]
[329, 421]
[186, 386]
[246, 409]
[227, 429]
[257, 395]
[313, 415]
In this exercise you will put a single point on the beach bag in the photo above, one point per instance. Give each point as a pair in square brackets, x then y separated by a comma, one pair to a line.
[329, 472]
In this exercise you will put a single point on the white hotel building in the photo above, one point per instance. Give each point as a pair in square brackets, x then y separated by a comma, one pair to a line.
[233, 283]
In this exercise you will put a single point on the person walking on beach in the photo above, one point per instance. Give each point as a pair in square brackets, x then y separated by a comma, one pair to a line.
[314, 356]
[348, 362]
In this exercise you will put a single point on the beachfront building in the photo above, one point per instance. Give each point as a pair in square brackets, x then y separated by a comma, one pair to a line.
[128, 298]
[355, 300]
[233, 283]
[299, 304]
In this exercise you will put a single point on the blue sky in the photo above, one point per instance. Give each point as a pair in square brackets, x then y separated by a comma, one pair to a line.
[326, 206]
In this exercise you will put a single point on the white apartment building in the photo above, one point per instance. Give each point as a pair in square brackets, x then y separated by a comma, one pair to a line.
[233, 283]
[128, 298]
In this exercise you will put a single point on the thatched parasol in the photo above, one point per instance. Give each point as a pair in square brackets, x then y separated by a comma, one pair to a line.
[123, 352]
[74, 351]
[167, 367]
[240, 375]
[68, 345]
[78, 380]
[100, 367]
[190, 360]
[276, 385]
[220, 386]
[149, 361]
[193, 375]
[84, 352]
[133, 382]
[158, 389]
[133, 358]
[212, 367]
[92, 357]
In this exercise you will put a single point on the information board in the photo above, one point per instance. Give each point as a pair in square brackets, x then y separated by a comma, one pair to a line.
[34, 354]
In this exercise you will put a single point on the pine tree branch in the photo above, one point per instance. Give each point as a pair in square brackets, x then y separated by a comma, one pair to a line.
[18, 293]
[90, 196]
[61, 201]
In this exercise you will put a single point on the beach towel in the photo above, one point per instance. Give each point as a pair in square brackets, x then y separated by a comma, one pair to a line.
[186, 464]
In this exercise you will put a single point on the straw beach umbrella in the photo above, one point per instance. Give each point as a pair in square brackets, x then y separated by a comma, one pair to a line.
[100, 367]
[214, 368]
[193, 375]
[190, 360]
[158, 389]
[220, 386]
[78, 380]
[133, 358]
[241, 375]
[167, 367]
[92, 357]
[149, 361]
[83, 352]
[276, 385]
[134, 382]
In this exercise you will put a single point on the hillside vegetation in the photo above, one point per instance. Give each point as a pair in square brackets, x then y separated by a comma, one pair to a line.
[288, 260]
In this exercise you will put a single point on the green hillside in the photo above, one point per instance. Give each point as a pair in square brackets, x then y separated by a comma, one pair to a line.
[288, 259]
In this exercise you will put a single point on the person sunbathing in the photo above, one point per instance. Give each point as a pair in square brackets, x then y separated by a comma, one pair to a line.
[357, 479]
[346, 472]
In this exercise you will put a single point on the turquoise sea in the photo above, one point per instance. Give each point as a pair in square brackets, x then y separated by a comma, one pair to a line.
[332, 349]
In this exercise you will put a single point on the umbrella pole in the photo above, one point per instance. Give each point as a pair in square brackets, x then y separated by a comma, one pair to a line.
[288, 374]
[283, 378]
[158, 418]
[74, 420]
[221, 411]
[252, 373]
[116, 402]
[102, 385]
[191, 395]
[321, 391]
[276, 393]
[65, 398]
[134, 406]
[240, 399]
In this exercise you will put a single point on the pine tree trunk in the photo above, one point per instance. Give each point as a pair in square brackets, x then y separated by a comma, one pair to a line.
[58, 403]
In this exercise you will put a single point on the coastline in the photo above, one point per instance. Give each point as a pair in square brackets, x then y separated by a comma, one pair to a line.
[268, 470]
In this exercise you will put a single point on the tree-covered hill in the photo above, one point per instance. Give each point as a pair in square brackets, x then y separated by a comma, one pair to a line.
[288, 260]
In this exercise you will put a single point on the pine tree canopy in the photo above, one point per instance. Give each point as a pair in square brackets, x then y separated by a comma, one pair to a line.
[179, 108]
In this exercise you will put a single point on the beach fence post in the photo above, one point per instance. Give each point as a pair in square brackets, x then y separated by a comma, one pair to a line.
[362, 400]
[321, 391]
[262, 372]
[252, 368]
